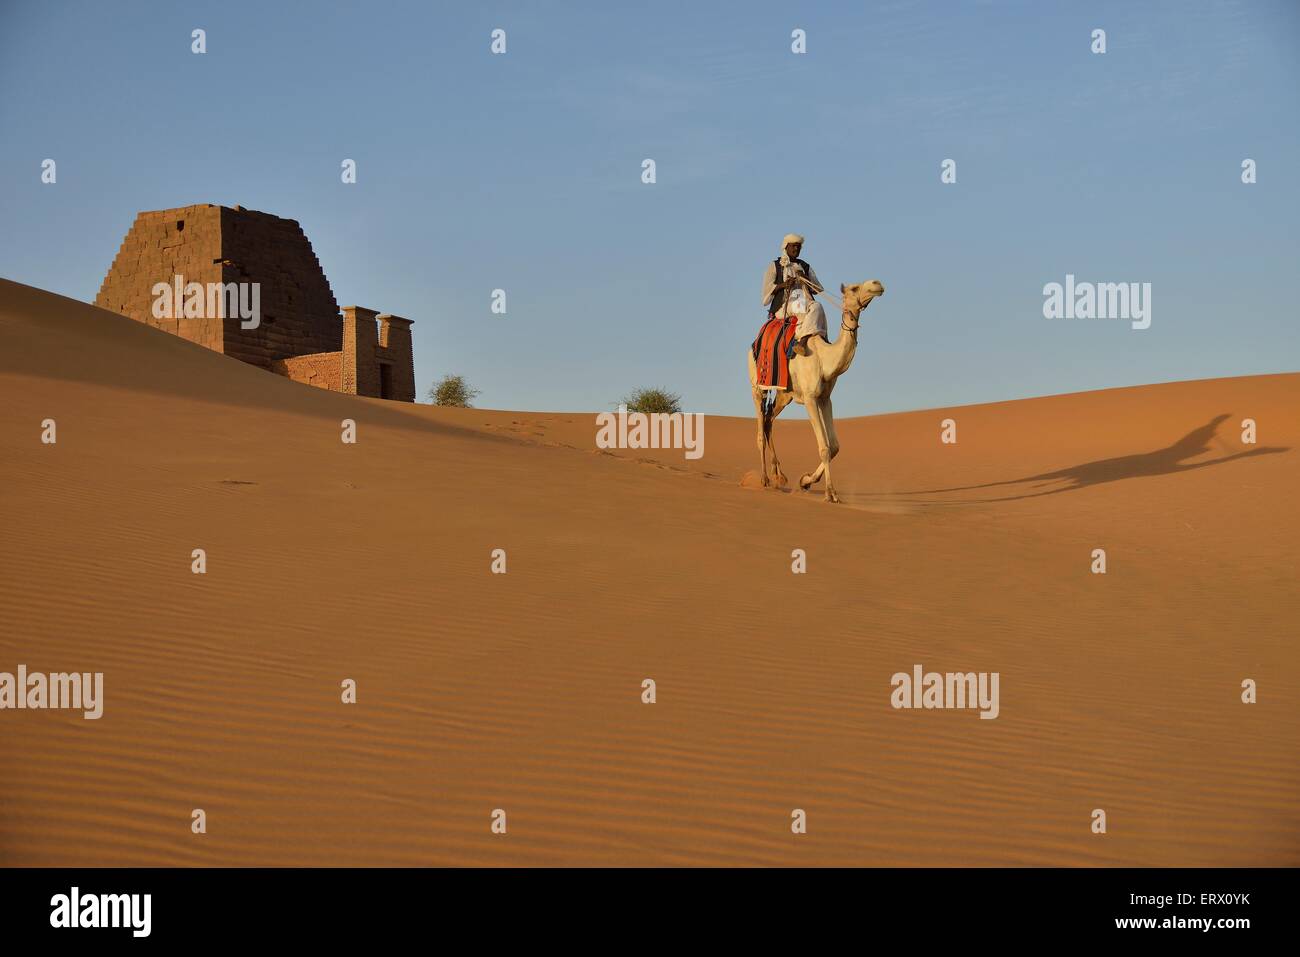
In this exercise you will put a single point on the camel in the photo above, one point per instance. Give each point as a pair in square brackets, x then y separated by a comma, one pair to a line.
[812, 377]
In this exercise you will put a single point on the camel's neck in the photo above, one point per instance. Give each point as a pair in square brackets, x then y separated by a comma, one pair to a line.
[839, 356]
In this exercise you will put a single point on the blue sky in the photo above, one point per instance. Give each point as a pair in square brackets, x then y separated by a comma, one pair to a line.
[523, 172]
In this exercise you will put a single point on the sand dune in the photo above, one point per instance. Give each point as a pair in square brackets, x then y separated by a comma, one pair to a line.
[522, 691]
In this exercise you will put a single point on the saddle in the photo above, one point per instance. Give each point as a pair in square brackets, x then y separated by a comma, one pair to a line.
[772, 351]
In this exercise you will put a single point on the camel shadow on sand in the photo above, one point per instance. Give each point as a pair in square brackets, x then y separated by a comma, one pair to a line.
[1166, 461]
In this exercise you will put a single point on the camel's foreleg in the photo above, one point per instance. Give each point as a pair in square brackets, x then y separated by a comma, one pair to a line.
[828, 446]
[823, 447]
[832, 445]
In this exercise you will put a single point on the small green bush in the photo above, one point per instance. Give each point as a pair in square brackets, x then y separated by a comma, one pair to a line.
[653, 400]
[452, 390]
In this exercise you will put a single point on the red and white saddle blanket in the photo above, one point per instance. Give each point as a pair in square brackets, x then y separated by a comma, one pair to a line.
[772, 352]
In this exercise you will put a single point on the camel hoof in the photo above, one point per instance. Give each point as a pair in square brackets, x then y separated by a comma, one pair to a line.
[781, 480]
[832, 497]
[805, 482]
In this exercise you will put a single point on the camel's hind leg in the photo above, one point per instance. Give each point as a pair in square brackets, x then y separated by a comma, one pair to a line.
[764, 429]
[765, 444]
[782, 400]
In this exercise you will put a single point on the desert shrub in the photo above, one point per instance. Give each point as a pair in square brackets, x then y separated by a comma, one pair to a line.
[653, 400]
[452, 390]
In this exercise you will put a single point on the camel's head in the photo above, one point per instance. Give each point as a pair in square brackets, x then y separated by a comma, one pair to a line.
[857, 297]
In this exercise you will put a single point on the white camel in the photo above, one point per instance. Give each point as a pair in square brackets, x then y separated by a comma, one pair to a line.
[812, 377]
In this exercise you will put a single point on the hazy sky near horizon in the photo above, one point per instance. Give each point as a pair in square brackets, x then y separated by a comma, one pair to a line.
[523, 171]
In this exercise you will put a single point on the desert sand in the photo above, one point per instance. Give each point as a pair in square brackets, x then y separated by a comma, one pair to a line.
[522, 691]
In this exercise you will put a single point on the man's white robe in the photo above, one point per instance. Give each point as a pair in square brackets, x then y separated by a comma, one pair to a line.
[812, 318]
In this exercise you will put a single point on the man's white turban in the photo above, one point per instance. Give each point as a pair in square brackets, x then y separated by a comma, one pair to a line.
[791, 238]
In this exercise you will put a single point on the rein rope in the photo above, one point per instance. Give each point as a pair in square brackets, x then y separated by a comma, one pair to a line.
[812, 292]
[836, 300]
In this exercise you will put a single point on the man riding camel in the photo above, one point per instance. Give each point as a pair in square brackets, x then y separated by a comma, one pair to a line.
[789, 285]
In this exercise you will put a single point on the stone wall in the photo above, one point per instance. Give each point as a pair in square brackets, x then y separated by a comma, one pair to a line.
[321, 369]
